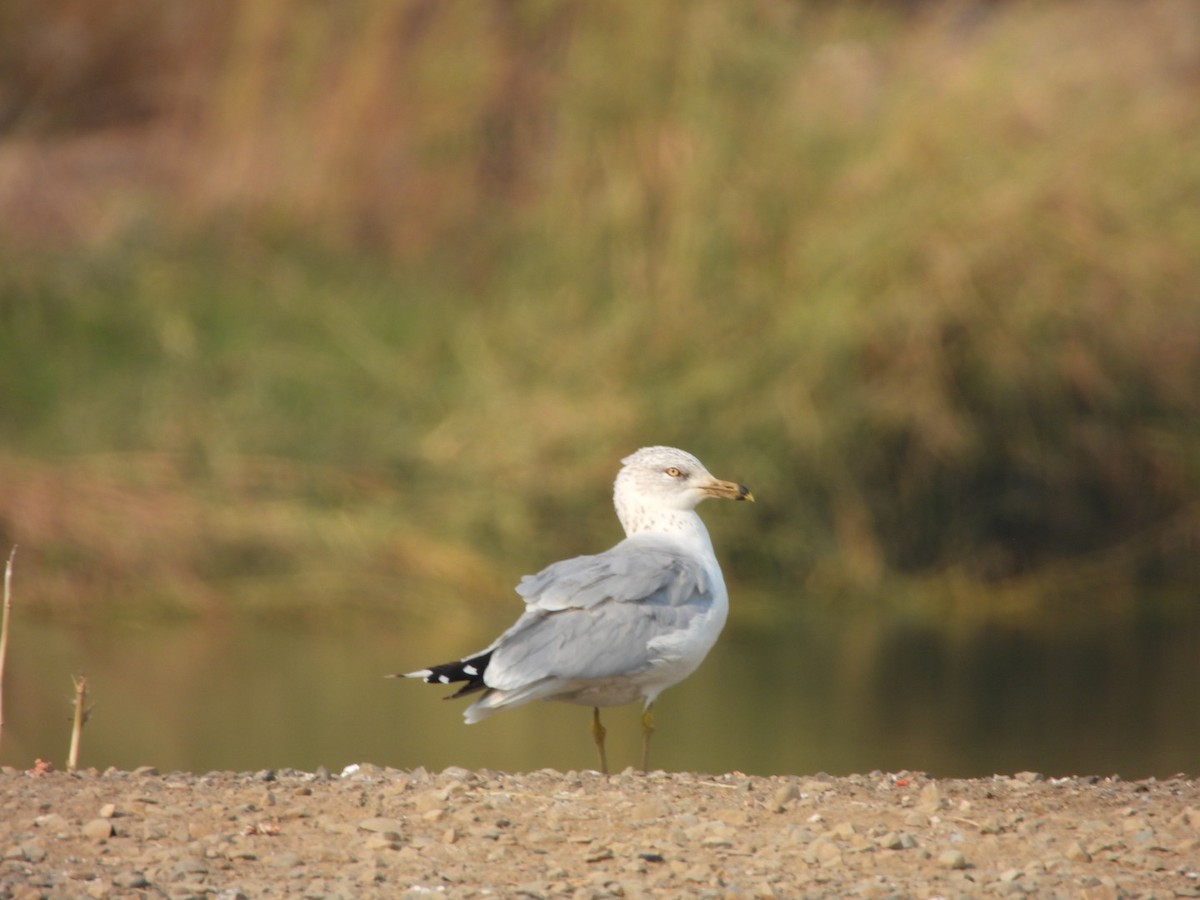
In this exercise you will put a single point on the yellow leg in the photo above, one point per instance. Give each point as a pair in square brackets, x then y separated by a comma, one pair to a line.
[599, 732]
[647, 730]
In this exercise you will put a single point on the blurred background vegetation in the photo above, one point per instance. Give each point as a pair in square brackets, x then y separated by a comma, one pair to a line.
[312, 309]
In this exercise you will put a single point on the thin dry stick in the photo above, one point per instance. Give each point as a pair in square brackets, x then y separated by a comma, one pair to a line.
[4, 630]
[80, 718]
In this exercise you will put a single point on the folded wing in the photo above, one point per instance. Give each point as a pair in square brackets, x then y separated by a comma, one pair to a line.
[601, 616]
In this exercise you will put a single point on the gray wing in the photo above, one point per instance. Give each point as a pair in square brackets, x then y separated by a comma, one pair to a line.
[638, 568]
[596, 616]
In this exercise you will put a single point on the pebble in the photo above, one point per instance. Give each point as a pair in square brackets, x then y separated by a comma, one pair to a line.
[897, 841]
[815, 786]
[952, 859]
[990, 825]
[387, 832]
[286, 860]
[51, 823]
[189, 866]
[823, 852]
[844, 830]
[1076, 853]
[382, 824]
[785, 795]
[930, 799]
[97, 829]
[134, 879]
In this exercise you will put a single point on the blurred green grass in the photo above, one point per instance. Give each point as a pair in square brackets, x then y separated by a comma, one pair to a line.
[930, 284]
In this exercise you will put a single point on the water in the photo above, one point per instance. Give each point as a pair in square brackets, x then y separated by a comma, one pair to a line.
[808, 694]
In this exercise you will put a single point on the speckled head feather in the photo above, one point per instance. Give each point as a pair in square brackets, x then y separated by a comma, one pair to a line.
[655, 483]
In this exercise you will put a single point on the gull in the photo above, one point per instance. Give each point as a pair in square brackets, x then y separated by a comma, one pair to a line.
[618, 626]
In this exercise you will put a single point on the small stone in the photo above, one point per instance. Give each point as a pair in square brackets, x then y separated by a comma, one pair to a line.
[860, 844]
[285, 860]
[1029, 777]
[145, 772]
[1189, 817]
[990, 825]
[786, 794]
[98, 829]
[930, 798]
[843, 830]
[825, 853]
[133, 879]
[1076, 853]
[1134, 824]
[52, 823]
[429, 800]
[897, 841]
[33, 852]
[189, 866]
[387, 841]
[382, 824]
[738, 817]
[649, 811]
[153, 829]
[952, 859]
[108, 810]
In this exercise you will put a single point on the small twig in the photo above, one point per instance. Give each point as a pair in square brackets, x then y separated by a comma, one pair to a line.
[80, 718]
[4, 629]
[970, 822]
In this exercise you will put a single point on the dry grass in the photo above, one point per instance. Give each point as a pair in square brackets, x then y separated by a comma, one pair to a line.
[140, 536]
[926, 282]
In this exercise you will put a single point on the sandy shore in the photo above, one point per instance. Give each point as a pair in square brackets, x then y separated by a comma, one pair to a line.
[391, 833]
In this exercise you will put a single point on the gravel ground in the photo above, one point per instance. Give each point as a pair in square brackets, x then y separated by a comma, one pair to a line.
[375, 832]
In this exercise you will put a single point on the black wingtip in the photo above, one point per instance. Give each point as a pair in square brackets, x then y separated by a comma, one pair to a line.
[469, 670]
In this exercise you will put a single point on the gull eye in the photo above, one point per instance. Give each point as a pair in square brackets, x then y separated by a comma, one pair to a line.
[674, 472]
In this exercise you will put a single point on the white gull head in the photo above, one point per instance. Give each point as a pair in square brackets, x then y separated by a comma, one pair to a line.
[658, 488]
